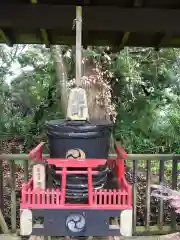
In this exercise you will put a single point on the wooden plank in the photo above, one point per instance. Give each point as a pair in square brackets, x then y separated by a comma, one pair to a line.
[164, 3]
[13, 194]
[150, 157]
[154, 230]
[115, 19]
[112, 18]
[60, 17]
[98, 38]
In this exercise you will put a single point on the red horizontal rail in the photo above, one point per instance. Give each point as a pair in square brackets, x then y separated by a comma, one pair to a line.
[76, 206]
[76, 163]
[77, 172]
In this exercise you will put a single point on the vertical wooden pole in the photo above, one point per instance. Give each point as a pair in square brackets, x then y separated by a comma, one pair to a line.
[26, 173]
[1, 188]
[3, 225]
[161, 207]
[13, 194]
[78, 45]
[174, 187]
[135, 169]
[148, 182]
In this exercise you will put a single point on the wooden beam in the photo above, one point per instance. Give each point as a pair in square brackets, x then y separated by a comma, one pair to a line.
[85, 2]
[7, 36]
[44, 33]
[124, 39]
[45, 37]
[104, 18]
[35, 16]
[138, 3]
[131, 19]
[164, 40]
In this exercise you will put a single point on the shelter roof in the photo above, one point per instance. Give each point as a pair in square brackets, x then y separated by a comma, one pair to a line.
[146, 23]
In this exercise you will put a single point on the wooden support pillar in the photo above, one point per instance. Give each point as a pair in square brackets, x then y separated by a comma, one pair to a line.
[43, 32]
[78, 45]
[45, 37]
[1, 188]
[124, 39]
[163, 39]
[7, 36]
[3, 225]
[12, 167]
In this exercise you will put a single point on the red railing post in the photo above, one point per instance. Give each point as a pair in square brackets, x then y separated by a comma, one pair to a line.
[36, 153]
[121, 156]
[90, 186]
[63, 187]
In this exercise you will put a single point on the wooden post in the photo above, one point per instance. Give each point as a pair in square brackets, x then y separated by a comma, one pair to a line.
[13, 195]
[78, 44]
[1, 188]
[26, 173]
[77, 103]
[3, 225]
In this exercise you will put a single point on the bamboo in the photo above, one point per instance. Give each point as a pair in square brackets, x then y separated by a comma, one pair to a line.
[61, 75]
[78, 45]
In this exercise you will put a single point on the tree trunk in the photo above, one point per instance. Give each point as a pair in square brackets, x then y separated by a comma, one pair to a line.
[61, 75]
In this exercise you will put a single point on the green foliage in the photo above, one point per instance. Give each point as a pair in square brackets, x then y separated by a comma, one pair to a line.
[145, 86]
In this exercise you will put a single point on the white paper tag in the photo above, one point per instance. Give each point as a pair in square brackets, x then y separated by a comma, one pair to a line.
[39, 176]
[77, 105]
